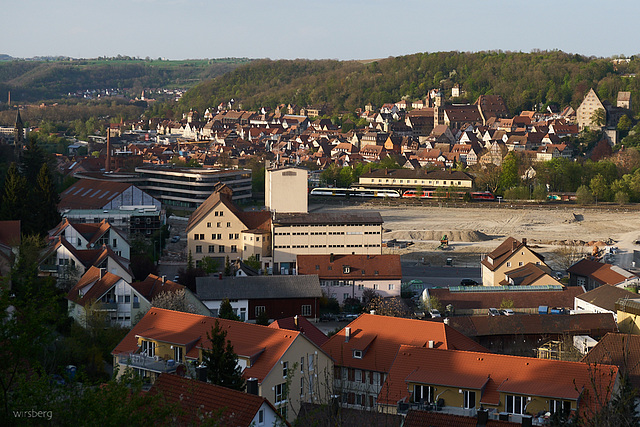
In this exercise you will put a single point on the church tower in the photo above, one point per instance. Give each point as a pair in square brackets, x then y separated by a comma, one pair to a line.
[18, 134]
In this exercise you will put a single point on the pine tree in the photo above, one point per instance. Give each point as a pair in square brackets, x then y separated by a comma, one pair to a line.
[45, 202]
[221, 361]
[32, 160]
[13, 195]
[226, 311]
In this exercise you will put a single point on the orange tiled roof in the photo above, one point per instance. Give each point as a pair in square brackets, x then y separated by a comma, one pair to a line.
[494, 374]
[622, 350]
[303, 325]
[152, 286]
[380, 336]
[362, 267]
[262, 344]
[602, 273]
[194, 397]
[91, 286]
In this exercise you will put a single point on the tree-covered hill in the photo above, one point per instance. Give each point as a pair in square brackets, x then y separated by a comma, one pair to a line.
[525, 80]
[36, 80]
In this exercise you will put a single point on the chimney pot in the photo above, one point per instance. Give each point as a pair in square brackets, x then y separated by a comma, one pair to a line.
[164, 280]
[295, 320]
[347, 334]
[524, 241]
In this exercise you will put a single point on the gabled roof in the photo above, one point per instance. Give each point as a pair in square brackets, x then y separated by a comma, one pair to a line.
[379, 337]
[532, 298]
[91, 194]
[263, 345]
[221, 196]
[622, 350]
[237, 409]
[153, 285]
[528, 274]
[416, 418]
[605, 296]
[258, 287]
[601, 273]
[593, 324]
[492, 374]
[92, 286]
[502, 253]
[301, 324]
[361, 267]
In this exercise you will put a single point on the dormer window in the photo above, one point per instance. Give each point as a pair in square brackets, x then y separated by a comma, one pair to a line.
[357, 354]
[346, 269]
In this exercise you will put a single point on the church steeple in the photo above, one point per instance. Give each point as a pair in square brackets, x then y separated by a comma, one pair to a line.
[18, 133]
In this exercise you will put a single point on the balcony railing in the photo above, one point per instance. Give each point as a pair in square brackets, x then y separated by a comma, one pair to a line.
[154, 363]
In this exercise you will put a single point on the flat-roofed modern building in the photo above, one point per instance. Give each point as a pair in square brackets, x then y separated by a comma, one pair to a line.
[357, 233]
[190, 187]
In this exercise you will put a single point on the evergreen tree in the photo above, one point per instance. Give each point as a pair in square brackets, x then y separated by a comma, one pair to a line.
[13, 195]
[226, 311]
[221, 361]
[33, 157]
[45, 202]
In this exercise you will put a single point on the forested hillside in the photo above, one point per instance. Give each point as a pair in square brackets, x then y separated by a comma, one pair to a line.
[525, 80]
[31, 81]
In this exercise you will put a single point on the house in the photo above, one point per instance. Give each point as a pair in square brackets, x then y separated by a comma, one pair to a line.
[364, 351]
[602, 300]
[277, 296]
[153, 286]
[92, 235]
[592, 274]
[464, 382]
[523, 333]
[584, 115]
[218, 229]
[200, 401]
[104, 195]
[347, 276]
[510, 255]
[163, 340]
[300, 323]
[9, 243]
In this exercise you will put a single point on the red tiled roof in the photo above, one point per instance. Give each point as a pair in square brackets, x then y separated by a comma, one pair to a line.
[91, 286]
[602, 273]
[152, 286]
[195, 398]
[383, 335]
[362, 267]
[307, 328]
[508, 374]
[622, 350]
[10, 233]
[248, 340]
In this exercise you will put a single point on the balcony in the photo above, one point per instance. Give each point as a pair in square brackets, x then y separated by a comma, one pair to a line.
[404, 407]
[140, 361]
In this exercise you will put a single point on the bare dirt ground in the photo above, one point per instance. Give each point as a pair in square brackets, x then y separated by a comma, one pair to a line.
[476, 231]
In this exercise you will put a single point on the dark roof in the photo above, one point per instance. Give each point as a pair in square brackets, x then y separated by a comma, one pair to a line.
[153, 285]
[10, 233]
[605, 296]
[328, 218]
[622, 350]
[301, 324]
[417, 418]
[521, 299]
[258, 287]
[197, 398]
[601, 273]
[592, 324]
[91, 194]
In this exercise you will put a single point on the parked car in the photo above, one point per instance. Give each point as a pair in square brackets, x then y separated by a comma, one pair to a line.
[507, 312]
[468, 282]
[328, 317]
[494, 312]
[435, 313]
[175, 239]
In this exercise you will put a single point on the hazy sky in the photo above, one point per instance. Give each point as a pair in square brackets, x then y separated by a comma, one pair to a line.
[344, 29]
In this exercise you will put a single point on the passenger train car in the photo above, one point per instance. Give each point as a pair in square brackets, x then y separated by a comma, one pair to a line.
[354, 192]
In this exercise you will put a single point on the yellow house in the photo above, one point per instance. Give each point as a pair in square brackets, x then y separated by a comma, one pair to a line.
[219, 229]
[510, 255]
[461, 382]
[289, 369]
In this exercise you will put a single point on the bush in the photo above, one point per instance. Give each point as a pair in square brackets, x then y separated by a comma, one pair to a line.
[621, 198]
[583, 195]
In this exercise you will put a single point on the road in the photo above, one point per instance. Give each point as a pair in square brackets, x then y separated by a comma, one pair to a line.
[438, 276]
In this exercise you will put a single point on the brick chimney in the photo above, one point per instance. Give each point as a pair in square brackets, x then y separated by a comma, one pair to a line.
[107, 165]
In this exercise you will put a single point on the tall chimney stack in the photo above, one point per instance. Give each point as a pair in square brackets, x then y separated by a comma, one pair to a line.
[107, 165]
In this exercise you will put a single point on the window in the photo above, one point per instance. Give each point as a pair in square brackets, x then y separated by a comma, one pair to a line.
[261, 416]
[230, 236]
[345, 296]
[219, 236]
[306, 310]
[221, 248]
[257, 238]
[127, 299]
[196, 237]
[469, 399]
[208, 225]
[259, 310]
[199, 249]
[228, 224]
[115, 243]
[422, 393]
[311, 356]
[391, 286]
[520, 264]
[357, 354]
[515, 404]
[581, 281]
[234, 248]
[148, 348]
[376, 287]
[563, 406]
[213, 237]
[218, 224]
[212, 249]
[279, 389]
[285, 366]
[508, 264]
[301, 386]
[358, 376]
[177, 354]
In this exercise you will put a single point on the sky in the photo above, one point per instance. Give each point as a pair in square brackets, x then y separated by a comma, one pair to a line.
[334, 29]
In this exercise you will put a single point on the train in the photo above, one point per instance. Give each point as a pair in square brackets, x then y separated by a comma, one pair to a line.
[354, 192]
[446, 194]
